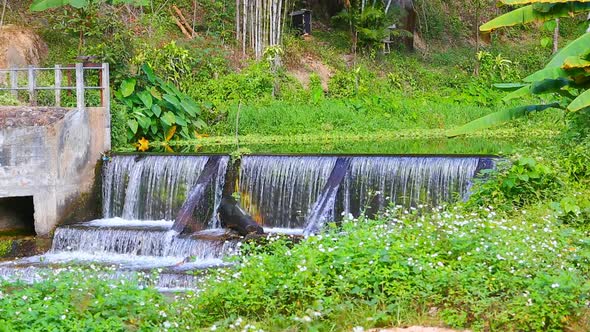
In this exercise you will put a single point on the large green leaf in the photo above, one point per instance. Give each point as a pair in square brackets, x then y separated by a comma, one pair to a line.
[149, 72]
[549, 85]
[172, 100]
[157, 110]
[546, 73]
[41, 5]
[133, 125]
[583, 101]
[128, 87]
[497, 118]
[144, 122]
[529, 14]
[509, 86]
[576, 48]
[190, 106]
[168, 118]
[575, 62]
[525, 90]
[146, 98]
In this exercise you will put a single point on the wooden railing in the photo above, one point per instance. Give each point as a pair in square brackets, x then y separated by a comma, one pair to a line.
[31, 86]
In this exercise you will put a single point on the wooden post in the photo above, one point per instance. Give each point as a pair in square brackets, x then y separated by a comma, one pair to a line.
[80, 86]
[105, 99]
[14, 82]
[32, 94]
[57, 85]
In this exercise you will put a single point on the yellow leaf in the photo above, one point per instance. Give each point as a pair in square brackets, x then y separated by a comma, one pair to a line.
[199, 136]
[143, 144]
[170, 133]
[168, 148]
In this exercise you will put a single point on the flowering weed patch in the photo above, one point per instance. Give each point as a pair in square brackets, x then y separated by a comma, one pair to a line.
[476, 270]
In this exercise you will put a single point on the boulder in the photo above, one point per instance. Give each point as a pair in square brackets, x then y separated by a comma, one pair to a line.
[20, 47]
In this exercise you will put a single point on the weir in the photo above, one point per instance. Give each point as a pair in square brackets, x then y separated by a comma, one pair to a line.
[162, 211]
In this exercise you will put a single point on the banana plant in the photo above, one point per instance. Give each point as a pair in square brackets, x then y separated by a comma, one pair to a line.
[566, 77]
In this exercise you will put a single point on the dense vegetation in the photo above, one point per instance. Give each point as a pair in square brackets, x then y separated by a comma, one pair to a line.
[514, 257]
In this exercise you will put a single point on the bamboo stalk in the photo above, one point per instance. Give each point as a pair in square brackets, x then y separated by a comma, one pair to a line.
[182, 28]
[183, 20]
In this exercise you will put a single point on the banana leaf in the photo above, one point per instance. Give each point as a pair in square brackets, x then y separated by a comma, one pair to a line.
[575, 62]
[527, 2]
[525, 90]
[509, 86]
[497, 118]
[549, 85]
[578, 47]
[546, 73]
[529, 14]
[583, 101]
[41, 5]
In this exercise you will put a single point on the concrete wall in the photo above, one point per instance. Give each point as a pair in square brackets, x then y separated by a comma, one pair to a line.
[55, 163]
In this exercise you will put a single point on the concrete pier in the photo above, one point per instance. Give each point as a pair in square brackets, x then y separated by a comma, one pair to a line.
[48, 154]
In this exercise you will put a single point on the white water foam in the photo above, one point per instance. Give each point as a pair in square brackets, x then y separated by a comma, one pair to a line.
[120, 222]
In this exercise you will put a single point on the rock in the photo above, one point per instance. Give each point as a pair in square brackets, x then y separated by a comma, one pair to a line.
[20, 47]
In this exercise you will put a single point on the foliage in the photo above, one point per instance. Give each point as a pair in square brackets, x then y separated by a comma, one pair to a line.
[535, 11]
[524, 182]
[566, 76]
[367, 26]
[171, 61]
[156, 109]
[482, 272]
[8, 100]
[76, 299]
[119, 120]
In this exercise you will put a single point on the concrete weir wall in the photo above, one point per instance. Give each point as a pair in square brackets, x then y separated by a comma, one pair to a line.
[51, 154]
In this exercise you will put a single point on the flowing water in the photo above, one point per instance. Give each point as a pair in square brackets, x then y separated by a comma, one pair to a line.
[285, 192]
[143, 196]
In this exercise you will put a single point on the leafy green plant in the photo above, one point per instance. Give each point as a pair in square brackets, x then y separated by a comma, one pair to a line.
[523, 182]
[156, 109]
[8, 100]
[171, 62]
[80, 16]
[566, 77]
[367, 25]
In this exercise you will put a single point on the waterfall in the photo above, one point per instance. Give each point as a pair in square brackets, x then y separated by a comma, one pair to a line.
[406, 181]
[199, 210]
[279, 190]
[324, 208]
[142, 196]
[148, 188]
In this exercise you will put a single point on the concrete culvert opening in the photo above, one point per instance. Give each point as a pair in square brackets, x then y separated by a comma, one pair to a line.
[17, 215]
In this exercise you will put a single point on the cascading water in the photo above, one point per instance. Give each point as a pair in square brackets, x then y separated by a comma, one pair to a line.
[148, 188]
[135, 192]
[278, 191]
[405, 181]
[142, 196]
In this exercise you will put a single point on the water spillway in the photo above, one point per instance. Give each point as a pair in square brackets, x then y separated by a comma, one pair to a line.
[282, 191]
[161, 211]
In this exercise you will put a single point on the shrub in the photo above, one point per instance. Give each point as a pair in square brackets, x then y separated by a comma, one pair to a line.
[156, 109]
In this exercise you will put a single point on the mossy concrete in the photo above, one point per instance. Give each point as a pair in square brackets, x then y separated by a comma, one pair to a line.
[19, 246]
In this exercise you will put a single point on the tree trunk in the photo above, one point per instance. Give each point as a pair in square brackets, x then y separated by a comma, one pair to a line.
[3, 11]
